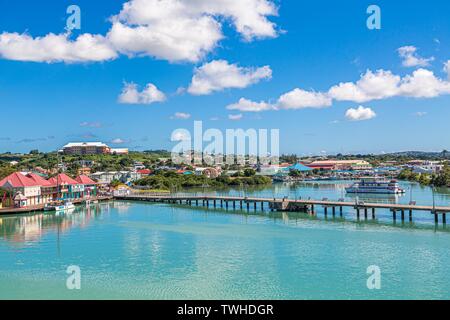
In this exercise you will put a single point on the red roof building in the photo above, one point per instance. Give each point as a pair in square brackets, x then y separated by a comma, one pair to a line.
[39, 180]
[62, 179]
[18, 180]
[144, 171]
[82, 179]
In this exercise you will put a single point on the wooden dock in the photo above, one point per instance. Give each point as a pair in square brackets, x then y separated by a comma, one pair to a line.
[40, 207]
[362, 209]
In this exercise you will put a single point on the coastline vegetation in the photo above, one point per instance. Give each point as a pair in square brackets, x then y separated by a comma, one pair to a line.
[167, 180]
[441, 179]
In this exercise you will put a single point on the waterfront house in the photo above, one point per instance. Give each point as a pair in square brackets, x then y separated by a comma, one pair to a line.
[67, 188]
[90, 186]
[48, 189]
[28, 192]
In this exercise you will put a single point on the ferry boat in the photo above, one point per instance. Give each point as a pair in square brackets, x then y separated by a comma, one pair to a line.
[375, 185]
[59, 207]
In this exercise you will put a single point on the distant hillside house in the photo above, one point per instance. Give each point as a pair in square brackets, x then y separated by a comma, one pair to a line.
[87, 148]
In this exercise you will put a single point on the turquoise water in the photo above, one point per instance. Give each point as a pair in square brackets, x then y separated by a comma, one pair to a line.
[130, 250]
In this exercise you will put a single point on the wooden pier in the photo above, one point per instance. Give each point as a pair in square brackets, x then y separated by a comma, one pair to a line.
[362, 209]
[40, 207]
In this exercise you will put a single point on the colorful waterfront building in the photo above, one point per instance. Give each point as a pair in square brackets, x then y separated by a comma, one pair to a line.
[67, 188]
[26, 190]
[48, 189]
[90, 186]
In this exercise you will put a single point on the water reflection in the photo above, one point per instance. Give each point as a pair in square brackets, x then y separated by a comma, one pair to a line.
[25, 229]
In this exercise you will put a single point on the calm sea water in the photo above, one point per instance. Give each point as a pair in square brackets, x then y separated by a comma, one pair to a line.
[130, 250]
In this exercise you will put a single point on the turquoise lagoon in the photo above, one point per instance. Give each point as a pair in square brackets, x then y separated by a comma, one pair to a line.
[132, 250]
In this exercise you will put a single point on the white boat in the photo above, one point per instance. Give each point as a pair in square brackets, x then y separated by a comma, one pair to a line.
[59, 207]
[375, 186]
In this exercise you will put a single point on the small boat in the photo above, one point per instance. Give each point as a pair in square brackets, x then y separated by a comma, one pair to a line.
[67, 205]
[376, 186]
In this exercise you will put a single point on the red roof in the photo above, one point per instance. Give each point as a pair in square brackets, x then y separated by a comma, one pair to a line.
[82, 179]
[39, 180]
[62, 179]
[18, 180]
[144, 171]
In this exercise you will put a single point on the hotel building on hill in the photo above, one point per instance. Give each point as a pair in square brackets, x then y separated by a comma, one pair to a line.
[87, 148]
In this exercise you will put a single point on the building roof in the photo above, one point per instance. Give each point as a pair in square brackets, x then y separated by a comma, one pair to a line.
[85, 144]
[18, 180]
[144, 171]
[62, 179]
[39, 180]
[82, 179]
[299, 167]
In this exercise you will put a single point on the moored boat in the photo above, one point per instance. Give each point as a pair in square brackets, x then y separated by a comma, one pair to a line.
[376, 186]
[67, 205]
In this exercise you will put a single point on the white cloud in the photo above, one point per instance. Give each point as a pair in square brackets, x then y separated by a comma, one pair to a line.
[150, 94]
[371, 86]
[447, 69]
[180, 135]
[300, 99]
[383, 84]
[181, 115]
[173, 30]
[420, 114]
[91, 124]
[185, 30]
[118, 141]
[246, 105]
[423, 84]
[235, 117]
[219, 75]
[359, 114]
[411, 58]
[55, 48]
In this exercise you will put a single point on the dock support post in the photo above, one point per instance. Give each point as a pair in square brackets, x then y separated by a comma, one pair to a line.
[403, 215]
[444, 218]
[436, 218]
[221, 203]
[357, 213]
[241, 204]
[248, 206]
[410, 215]
[234, 204]
[326, 211]
[262, 205]
[196, 202]
[207, 203]
[226, 204]
[373, 213]
[365, 213]
[340, 211]
[214, 203]
[334, 211]
[312, 209]
[394, 212]
[255, 205]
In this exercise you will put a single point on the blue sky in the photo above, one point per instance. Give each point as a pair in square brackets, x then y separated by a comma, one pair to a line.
[310, 46]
